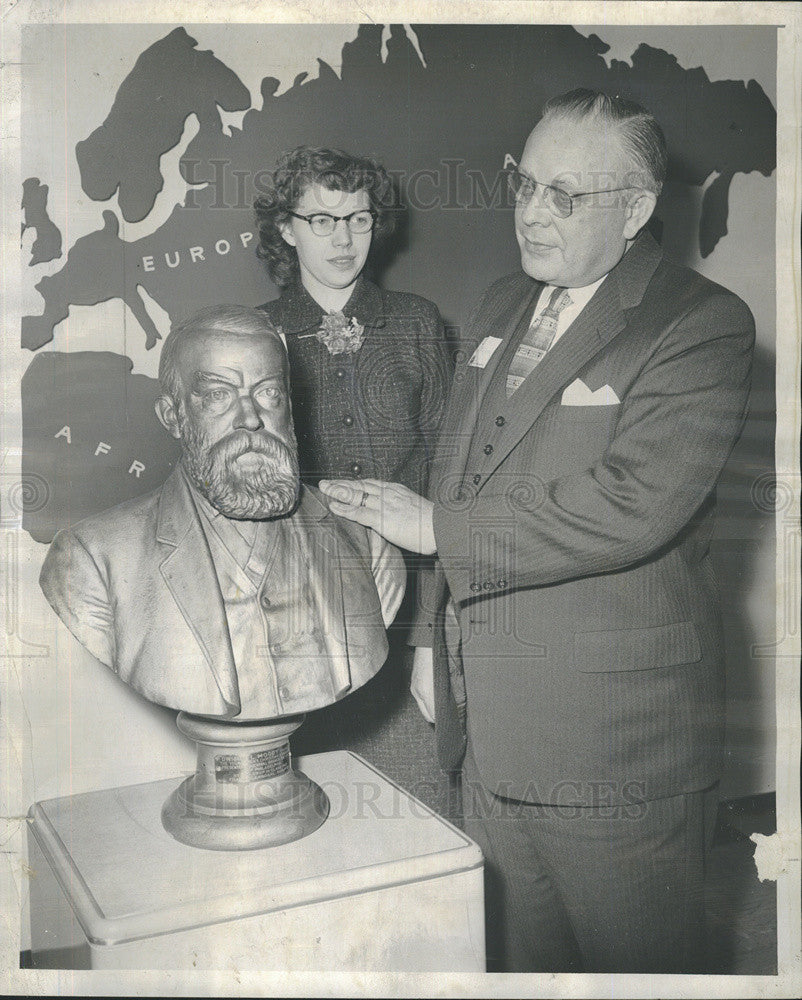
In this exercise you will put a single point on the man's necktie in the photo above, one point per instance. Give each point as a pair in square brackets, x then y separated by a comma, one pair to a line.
[537, 340]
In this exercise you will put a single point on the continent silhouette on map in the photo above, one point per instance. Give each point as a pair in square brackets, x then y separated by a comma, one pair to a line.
[96, 270]
[47, 244]
[169, 81]
[81, 449]
[726, 127]
[443, 128]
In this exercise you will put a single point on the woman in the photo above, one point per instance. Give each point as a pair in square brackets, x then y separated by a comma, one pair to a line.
[370, 373]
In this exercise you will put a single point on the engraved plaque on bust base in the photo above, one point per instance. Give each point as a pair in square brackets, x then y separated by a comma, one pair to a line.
[244, 794]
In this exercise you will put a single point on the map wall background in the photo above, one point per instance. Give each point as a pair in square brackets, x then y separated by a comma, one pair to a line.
[417, 97]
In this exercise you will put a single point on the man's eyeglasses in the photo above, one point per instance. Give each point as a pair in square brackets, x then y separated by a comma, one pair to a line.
[323, 224]
[557, 201]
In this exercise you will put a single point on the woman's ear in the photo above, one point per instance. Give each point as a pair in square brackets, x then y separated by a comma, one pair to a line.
[285, 228]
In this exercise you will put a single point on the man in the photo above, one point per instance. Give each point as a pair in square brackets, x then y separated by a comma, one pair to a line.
[597, 398]
[230, 591]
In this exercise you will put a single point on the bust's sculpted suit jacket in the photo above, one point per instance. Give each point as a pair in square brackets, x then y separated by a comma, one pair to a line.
[136, 585]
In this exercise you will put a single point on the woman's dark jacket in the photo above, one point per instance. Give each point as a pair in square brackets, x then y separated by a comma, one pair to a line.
[375, 413]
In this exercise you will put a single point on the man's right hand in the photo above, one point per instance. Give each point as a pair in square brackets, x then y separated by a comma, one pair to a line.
[395, 512]
[422, 684]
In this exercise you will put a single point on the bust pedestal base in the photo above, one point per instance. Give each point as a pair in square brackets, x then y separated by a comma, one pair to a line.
[383, 885]
[245, 794]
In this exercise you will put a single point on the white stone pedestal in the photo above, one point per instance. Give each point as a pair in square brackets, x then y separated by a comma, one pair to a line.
[383, 885]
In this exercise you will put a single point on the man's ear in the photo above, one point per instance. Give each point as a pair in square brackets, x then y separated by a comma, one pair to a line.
[639, 211]
[168, 415]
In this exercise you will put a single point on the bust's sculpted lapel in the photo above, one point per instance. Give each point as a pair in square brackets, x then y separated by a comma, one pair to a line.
[188, 572]
[319, 544]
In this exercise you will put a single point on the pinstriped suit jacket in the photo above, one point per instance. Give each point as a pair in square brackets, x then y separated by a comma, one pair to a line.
[575, 538]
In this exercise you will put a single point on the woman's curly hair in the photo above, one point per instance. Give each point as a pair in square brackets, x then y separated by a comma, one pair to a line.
[335, 170]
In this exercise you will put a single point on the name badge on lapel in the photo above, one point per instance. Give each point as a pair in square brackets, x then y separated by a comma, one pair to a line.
[484, 352]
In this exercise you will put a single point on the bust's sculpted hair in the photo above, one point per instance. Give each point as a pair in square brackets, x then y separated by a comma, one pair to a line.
[295, 172]
[641, 136]
[239, 320]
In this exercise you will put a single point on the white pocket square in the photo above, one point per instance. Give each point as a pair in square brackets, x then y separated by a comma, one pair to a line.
[579, 394]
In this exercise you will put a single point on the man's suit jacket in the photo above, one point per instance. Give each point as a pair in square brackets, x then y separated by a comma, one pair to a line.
[574, 539]
[136, 585]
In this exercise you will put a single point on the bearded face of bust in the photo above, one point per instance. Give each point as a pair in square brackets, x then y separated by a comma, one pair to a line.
[229, 405]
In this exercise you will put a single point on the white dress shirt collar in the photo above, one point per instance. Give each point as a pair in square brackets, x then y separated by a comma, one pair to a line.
[579, 299]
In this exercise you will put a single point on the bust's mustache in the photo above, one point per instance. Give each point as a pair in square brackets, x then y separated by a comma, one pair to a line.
[241, 442]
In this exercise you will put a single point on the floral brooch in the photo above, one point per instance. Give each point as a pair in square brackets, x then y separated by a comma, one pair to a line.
[339, 334]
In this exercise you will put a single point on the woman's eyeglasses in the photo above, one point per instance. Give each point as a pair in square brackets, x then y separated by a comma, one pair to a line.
[323, 224]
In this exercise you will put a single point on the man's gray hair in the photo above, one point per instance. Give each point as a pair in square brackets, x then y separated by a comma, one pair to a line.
[640, 131]
[239, 320]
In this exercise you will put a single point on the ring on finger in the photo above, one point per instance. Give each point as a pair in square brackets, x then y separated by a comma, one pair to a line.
[364, 500]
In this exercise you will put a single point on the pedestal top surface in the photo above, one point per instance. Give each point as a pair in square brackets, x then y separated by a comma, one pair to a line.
[126, 877]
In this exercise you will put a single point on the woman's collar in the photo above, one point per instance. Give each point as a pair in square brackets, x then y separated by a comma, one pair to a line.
[299, 312]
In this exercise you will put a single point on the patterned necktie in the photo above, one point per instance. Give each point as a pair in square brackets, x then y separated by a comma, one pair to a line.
[537, 340]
